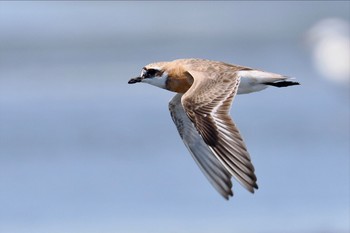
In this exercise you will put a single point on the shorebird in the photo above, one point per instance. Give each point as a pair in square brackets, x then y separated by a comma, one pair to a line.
[200, 110]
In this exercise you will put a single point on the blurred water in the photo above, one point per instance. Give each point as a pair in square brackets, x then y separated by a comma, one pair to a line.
[83, 151]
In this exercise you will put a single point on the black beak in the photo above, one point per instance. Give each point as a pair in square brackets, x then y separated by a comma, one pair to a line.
[135, 80]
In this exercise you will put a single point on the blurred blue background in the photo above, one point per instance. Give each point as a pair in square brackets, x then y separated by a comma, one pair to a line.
[83, 151]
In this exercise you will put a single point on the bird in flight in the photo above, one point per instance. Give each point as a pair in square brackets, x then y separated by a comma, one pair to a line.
[200, 110]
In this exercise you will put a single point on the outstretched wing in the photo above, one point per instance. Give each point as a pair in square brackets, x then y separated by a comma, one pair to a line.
[207, 104]
[215, 172]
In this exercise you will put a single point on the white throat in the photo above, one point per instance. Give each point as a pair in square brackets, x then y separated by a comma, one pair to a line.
[158, 81]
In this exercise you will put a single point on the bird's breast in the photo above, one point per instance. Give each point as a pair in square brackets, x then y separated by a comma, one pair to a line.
[179, 83]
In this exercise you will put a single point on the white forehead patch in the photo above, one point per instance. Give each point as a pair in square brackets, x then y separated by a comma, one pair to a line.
[143, 71]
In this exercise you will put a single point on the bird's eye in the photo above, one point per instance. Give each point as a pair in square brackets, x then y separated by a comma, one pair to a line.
[151, 72]
[147, 73]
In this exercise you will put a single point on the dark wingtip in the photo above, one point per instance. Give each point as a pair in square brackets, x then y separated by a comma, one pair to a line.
[228, 195]
[135, 80]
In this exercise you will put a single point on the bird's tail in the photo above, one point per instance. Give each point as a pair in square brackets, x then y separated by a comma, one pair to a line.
[256, 80]
[282, 83]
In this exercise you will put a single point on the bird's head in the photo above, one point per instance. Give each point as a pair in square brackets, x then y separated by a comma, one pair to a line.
[153, 74]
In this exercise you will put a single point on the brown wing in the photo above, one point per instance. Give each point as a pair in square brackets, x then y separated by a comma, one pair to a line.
[212, 168]
[207, 104]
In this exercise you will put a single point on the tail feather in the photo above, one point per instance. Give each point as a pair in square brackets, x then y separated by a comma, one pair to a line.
[255, 80]
[282, 83]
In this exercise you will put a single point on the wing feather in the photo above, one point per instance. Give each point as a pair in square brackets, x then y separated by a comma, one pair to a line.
[212, 168]
[207, 104]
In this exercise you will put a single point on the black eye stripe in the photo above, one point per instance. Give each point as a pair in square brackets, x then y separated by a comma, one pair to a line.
[152, 72]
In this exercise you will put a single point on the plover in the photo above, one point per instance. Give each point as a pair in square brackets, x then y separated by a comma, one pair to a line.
[200, 112]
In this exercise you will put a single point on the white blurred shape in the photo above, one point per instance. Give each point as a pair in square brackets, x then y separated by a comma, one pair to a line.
[330, 43]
